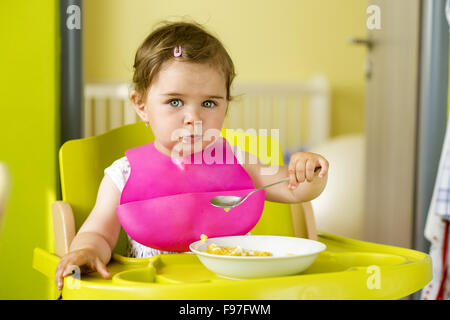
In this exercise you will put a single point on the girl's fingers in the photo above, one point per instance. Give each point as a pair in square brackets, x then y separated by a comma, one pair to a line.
[63, 271]
[65, 268]
[79, 264]
[300, 171]
[101, 268]
[58, 275]
[292, 177]
[69, 270]
[324, 164]
[310, 166]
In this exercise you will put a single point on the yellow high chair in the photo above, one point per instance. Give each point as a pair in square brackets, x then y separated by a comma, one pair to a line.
[347, 269]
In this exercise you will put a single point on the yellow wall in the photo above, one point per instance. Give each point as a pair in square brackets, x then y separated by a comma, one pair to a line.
[29, 140]
[268, 40]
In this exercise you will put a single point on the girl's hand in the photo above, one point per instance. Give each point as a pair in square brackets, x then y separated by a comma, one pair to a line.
[302, 166]
[86, 259]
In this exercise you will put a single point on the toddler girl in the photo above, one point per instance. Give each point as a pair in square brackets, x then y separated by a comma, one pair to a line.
[182, 78]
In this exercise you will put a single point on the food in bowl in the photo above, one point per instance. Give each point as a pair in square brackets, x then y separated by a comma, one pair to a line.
[232, 251]
[235, 251]
[290, 256]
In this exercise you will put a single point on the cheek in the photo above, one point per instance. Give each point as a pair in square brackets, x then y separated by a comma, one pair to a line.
[215, 123]
[161, 126]
[218, 117]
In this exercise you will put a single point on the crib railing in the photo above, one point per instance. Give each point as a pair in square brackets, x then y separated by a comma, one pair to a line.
[298, 112]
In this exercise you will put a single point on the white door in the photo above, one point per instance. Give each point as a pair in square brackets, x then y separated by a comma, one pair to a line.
[390, 121]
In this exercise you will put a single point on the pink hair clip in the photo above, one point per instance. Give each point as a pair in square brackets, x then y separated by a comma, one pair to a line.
[176, 52]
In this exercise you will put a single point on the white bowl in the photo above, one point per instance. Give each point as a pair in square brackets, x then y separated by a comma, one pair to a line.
[290, 255]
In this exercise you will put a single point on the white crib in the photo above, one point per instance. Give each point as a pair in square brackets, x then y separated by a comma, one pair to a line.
[299, 110]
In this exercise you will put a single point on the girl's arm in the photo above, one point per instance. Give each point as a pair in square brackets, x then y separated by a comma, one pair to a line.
[92, 246]
[100, 231]
[307, 183]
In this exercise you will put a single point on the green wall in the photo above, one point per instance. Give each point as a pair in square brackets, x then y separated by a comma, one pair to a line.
[29, 120]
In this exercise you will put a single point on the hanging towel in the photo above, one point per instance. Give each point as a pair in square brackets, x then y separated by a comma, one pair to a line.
[437, 228]
[442, 202]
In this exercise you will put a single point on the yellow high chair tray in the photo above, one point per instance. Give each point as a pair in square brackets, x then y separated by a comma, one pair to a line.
[347, 269]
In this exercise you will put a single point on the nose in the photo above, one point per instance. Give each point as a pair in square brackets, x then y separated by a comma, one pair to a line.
[191, 116]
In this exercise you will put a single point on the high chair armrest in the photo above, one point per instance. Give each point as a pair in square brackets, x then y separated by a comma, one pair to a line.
[45, 262]
[63, 226]
[303, 220]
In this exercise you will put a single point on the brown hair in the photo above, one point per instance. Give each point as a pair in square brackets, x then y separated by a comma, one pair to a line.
[197, 44]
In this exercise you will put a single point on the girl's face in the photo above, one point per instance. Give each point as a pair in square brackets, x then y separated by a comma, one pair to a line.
[184, 99]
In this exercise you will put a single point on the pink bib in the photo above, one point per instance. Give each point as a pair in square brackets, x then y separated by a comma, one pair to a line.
[165, 205]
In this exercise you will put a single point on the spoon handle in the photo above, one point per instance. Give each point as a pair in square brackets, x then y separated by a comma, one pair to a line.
[249, 194]
[269, 185]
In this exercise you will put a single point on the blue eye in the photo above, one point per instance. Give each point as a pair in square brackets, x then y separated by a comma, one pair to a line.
[170, 102]
[212, 104]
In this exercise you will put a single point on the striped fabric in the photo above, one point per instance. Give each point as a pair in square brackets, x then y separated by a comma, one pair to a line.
[437, 229]
[442, 200]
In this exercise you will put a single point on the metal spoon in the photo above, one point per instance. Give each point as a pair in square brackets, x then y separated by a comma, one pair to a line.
[228, 202]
